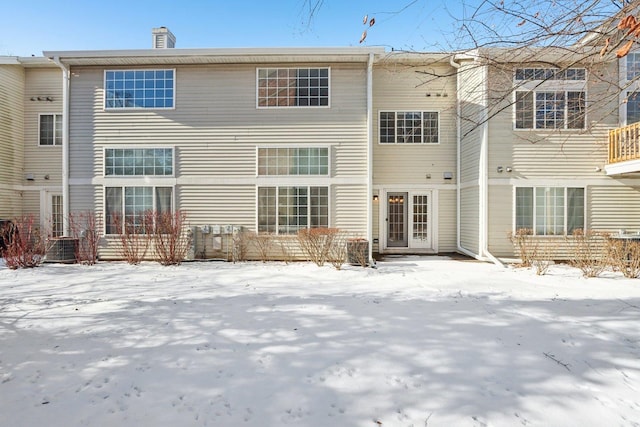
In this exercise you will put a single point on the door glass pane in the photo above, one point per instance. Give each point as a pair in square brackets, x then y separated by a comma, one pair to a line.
[397, 219]
[56, 216]
[420, 217]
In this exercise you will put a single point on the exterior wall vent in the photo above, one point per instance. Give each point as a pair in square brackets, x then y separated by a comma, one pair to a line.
[163, 38]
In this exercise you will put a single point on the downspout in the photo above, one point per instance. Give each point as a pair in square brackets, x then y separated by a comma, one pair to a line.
[370, 156]
[484, 254]
[484, 173]
[65, 144]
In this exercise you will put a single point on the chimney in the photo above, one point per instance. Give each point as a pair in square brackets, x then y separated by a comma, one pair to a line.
[163, 38]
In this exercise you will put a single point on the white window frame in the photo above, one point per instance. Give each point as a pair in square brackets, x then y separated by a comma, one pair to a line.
[267, 107]
[396, 142]
[629, 86]
[55, 115]
[550, 85]
[138, 147]
[104, 88]
[263, 147]
[566, 207]
[123, 195]
[286, 185]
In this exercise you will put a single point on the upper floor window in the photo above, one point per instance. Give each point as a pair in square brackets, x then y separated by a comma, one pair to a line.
[50, 129]
[576, 74]
[139, 89]
[293, 87]
[138, 162]
[409, 127]
[550, 110]
[633, 65]
[293, 161]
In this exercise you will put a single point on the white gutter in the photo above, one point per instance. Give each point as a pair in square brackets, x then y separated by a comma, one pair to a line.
[66, 74]
[370, 156]
[484, 254]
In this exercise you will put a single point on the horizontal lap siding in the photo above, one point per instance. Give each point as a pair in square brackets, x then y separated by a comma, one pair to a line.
[405, 88]
[215, 129]
[447, 221]
[42, 160]
[614, 208]
[12, 99]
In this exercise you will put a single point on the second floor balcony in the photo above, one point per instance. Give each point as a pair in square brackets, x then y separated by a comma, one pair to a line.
[624, 150]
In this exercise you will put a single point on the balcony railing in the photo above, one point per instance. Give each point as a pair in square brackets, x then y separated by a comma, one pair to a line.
[624, 143]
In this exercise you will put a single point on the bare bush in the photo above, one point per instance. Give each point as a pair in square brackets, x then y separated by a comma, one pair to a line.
[263, 242]
[240, 246]
[589, 254]
[316, 243]
[285, 248]
[358, 251]
[542, 260]
[624, 256]
[525, 245]
[338, 250]
[135, 237]
[25, 246]
[171, 237]
[86, 226]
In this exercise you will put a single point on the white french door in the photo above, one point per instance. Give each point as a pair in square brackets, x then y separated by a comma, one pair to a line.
[408, 220]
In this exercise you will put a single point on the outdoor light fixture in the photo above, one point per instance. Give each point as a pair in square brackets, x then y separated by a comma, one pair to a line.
[375, 197]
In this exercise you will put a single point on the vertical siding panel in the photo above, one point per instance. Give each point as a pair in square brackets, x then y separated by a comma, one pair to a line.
[447, 221]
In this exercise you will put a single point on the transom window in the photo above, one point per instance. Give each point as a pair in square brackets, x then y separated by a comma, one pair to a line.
[550, 74]
[50, 129]
[550, 110]
[409, 127]
[293, 87]
[550, 211]
[285, 210]
[129, 207]
[293, 161]
[138, 162]
[139, 89]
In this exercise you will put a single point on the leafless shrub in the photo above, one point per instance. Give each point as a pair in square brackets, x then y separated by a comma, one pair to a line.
[525, 245]
[338, 250]
[285, 247]
[543, 259]
[358, 251]
[86, 226]
[624, 256]
[25, 247]
[316, 243]
[171, 237]
[240, 246]
[263, 242]
[588, 252]
[135, 237]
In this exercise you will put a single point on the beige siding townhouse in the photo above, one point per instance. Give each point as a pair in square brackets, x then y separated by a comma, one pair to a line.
[31, 141]
[535, 151]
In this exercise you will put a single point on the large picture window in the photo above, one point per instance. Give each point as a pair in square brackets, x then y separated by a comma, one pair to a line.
[138, 162]
[50, 129]
[408, 127]
[550, 211]
[550, 110]
[128, 207]
[293, 161]
[139, 89]
[293, 87]
[285, 210]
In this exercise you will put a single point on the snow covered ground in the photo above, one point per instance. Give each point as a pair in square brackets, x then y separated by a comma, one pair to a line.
[416, 342]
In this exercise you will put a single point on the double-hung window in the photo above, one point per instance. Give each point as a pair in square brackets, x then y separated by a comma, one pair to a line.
[289, 206]
[127, 89]
[293, 87]
[548, 98]
[50, 129]
[550, 211]
[127, 207]
[408, 127]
